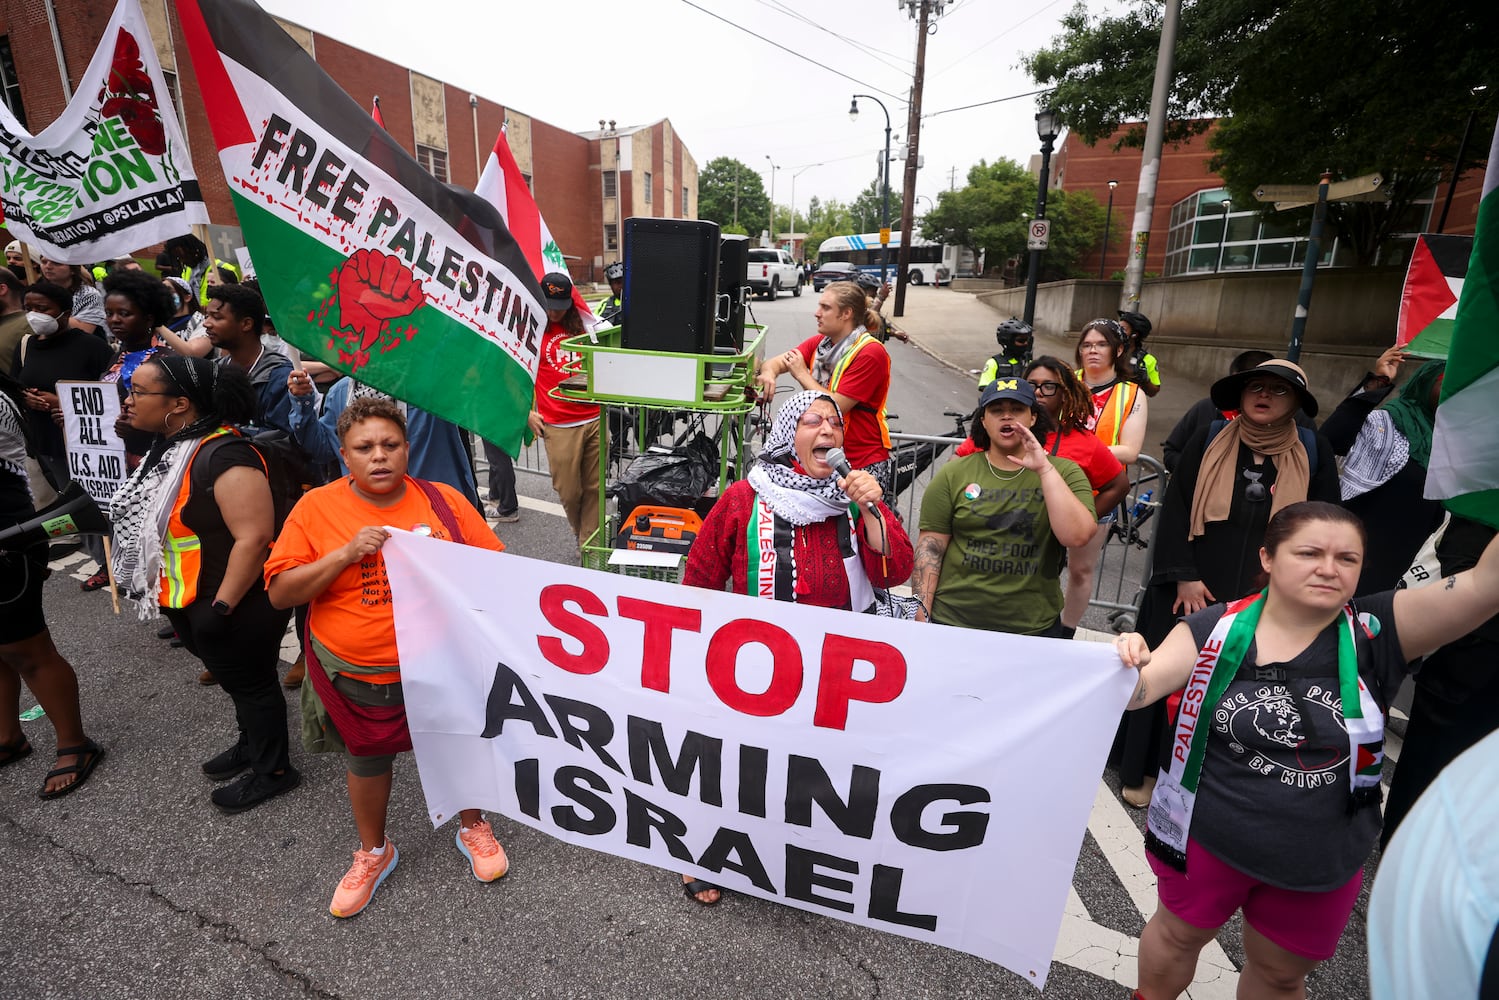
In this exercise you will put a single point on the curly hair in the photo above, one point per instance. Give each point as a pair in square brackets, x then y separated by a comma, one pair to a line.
[150, 295]
[1076, 402]
[367, 408]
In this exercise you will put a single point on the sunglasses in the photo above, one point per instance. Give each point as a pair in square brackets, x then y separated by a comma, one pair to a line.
[1047, 388]
[1276, 388]
[1255, 491]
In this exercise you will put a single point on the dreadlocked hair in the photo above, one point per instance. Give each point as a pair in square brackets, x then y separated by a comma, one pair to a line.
[1076, 402]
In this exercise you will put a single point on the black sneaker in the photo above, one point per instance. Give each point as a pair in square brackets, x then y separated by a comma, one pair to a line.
[253, 789]
[227, 764]
[167, 631]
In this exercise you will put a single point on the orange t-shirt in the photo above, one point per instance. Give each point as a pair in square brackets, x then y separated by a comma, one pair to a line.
[353, 617]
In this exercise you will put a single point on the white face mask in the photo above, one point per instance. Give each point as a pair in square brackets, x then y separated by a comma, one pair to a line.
[41, 323]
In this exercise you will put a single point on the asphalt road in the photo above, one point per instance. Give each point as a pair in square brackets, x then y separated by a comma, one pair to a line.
[137, 887]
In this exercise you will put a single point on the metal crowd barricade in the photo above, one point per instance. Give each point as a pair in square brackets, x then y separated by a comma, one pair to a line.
[917, 457]
[1124, 564]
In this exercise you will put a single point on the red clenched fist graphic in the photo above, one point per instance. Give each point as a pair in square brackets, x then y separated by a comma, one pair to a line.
[373, 289]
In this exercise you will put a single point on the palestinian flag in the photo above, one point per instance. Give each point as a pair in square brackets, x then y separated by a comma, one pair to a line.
[504, 186]
[368, 263]
[1428, 301]
[1464, 467]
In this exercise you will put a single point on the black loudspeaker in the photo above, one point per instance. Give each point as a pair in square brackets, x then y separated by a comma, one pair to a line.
[72, 513]
[733, 269]
[671, 284]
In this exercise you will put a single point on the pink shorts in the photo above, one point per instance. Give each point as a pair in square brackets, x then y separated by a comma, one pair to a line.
[1307, 924]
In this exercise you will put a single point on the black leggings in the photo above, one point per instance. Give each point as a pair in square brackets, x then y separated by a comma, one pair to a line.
[242, 652]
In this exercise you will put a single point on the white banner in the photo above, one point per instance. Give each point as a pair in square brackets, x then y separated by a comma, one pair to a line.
[923, 780]
[112, 174]
[96, 455]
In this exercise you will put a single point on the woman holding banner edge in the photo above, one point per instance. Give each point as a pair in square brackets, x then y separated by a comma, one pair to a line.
[328, 557]
[1271, 805]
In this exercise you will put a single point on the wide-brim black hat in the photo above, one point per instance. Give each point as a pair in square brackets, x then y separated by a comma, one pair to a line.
[1228, 392]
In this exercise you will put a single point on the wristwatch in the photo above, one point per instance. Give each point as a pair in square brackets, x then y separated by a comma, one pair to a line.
[222, 609]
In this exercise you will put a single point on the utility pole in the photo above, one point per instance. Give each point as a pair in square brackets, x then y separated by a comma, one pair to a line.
[922, 12]
[1150, 159]
[952, 178]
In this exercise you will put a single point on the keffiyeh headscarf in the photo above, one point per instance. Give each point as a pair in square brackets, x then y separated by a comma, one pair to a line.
[359, 390]
[142, 507]
[790, 493]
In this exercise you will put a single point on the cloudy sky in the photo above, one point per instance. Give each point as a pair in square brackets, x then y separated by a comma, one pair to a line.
[728, 92]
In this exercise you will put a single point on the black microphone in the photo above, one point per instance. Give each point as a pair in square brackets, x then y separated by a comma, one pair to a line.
[839, 461]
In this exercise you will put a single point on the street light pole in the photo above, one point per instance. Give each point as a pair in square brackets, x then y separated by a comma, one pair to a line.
[853, 115]
[771, 231]
[794, 175]
[1046, 128]
[1228, 204]
[1108, 218]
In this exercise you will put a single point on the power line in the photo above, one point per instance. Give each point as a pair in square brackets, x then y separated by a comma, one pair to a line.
[793, 52]
[997, 100]
[866, 49]
[1028, 17]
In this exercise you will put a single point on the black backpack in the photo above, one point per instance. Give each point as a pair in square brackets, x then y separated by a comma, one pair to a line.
[286, 466]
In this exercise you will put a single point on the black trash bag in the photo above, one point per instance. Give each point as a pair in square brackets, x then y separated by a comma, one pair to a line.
[678, 478]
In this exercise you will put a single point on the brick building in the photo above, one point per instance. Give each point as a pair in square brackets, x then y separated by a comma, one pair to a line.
[585, 185]
[1192, 230]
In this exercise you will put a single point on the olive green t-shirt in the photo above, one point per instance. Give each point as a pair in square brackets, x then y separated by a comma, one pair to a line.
[1002, 568]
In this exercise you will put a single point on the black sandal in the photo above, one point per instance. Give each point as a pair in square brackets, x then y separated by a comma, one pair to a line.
[95, 754]
[19, 750]
[696, 886]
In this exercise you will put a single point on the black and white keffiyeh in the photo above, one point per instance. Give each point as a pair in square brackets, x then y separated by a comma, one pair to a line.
[791, 495]
[12, 440]
[828, 354]
[359, 390]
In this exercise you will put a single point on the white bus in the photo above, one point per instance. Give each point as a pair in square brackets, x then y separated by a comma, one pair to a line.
[930, 263]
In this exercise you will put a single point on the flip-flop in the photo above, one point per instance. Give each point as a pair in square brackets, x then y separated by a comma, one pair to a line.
[696, 886]
[19, 750]
[95, 754]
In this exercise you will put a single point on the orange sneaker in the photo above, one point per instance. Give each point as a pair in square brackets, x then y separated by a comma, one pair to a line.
[484, 853]
[363, 878]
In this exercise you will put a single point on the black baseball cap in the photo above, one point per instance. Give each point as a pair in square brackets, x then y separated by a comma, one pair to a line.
[556, 290]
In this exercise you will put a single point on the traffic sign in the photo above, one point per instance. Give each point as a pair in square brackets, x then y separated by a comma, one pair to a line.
[1038, 235]
[885, 236]
[1296, 194]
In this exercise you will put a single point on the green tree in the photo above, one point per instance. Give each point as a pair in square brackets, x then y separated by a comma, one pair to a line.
[717, 184]
[869, 207]
[1299, 86]
[833, 218]
[1076, 228]
[985, 213]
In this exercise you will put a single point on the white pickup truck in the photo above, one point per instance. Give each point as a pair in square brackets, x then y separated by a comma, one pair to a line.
[771, 270]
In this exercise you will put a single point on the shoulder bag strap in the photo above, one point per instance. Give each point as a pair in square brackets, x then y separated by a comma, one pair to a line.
[441, 508]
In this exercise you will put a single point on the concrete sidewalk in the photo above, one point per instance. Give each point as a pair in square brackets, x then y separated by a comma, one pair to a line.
[958, 330]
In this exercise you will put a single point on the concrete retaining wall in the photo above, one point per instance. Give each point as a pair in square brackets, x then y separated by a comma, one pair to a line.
[1203, 321]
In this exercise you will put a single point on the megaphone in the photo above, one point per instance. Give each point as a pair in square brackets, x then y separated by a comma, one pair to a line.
[72, 513]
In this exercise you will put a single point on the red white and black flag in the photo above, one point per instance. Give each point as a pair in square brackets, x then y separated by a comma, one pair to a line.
[368, 262]
[1428, 302]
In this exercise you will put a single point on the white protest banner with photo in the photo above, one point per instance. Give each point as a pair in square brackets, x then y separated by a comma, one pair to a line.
[923, 780]
[113, 173]
[96, 455]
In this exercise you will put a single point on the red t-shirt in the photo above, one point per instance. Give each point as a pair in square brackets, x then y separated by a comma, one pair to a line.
[1091, 455]
[867, 381]
[550, 374]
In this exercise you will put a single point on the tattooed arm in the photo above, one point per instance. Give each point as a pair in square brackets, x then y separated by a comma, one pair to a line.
[1163, 670]
[930, 548]
[1449, 608]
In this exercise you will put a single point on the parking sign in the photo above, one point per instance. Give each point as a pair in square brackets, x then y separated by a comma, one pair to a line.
[1038, 235]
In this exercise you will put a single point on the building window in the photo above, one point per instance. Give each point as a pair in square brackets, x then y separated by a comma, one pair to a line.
[10, 83]
[433, 160]
[684, 201]
[174, 97]
[611, 236]
[611, 183]
[647, 187]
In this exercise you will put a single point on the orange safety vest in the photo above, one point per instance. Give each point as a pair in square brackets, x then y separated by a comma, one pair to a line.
[1109, 420]
[182, 552]
[865, 339]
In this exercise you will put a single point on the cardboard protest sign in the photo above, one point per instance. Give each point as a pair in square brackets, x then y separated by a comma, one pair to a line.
[96, 455]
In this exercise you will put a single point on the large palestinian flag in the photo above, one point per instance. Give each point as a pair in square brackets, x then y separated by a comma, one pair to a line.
[1464, 466]
[1428, 300]
[368, 263]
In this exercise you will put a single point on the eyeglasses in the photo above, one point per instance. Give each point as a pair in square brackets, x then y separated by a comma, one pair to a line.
[1271, 388]
[1255, 491]
[1093, 346]
[133, 392]
[1047, 388]
[812, 419]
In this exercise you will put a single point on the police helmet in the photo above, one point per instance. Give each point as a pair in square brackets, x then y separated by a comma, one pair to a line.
[615, 272]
